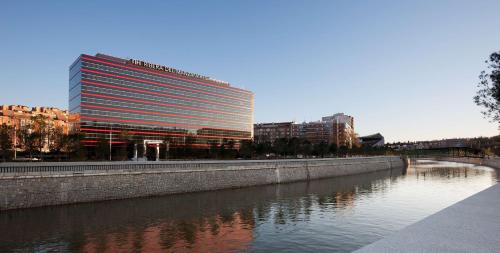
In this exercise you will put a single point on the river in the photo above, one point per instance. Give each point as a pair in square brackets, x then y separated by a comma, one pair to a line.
[329, 215]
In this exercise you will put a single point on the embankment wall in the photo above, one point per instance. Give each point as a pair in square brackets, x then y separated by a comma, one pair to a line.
[490, 162]
[25, 185]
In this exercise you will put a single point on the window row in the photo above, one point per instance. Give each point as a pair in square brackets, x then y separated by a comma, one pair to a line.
[153, 98]
[155, 119]
[163, 89]
[103, 127]
[128, 105]
[163, 79]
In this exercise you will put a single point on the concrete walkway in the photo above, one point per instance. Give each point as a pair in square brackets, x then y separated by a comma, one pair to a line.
[471, 225]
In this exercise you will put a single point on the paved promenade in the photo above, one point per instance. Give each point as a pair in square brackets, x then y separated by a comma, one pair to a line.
[471, 225]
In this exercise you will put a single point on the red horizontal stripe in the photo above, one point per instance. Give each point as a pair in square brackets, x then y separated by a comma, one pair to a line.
[156, 113]
[93, 59]
[160, 84]
[203, 145]
[163, 134]
[122, 142]
[94, 141]
[160, 94]
[157, 103]
[178, 145]
[154, 123]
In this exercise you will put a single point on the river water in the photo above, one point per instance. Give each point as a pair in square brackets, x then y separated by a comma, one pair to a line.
[329, 215]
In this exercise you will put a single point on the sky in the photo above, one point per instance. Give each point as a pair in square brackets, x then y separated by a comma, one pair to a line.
[406, 69]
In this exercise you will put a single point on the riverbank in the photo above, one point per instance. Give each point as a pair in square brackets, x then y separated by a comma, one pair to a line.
[490, 162]
[470, 225]
[25, 185]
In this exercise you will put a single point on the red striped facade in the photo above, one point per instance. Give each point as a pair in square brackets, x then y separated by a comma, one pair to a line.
[118, 100]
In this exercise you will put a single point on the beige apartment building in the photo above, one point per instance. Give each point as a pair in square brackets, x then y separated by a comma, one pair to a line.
[20, 116]
[336, 129]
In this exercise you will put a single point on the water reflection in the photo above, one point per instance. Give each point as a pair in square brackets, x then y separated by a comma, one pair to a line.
[339, 214]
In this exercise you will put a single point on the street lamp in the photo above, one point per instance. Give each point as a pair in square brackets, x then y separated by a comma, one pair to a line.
[15, 142]
[110, 140]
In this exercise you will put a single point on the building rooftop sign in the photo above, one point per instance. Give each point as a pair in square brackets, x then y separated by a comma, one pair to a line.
[171, 70]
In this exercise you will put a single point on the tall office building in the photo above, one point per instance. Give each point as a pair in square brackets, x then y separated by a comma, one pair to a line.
[131, 99]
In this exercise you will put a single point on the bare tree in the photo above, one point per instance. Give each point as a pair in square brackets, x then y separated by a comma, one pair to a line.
[58, 141]
[488, 95]
[39, 134]
[27, 139]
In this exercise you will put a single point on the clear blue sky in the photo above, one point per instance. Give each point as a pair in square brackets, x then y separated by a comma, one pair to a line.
[405, 69]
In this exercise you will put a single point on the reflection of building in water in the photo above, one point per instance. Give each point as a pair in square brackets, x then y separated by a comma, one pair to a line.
[216, 234]
[345, 199]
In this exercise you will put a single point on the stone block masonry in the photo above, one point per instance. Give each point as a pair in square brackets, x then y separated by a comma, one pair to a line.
[25, 185]
[490, 162]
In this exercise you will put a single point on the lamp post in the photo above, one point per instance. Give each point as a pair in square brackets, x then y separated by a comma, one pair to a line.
[167, 147]
[110, 141]
[15, 142]
[337, 131]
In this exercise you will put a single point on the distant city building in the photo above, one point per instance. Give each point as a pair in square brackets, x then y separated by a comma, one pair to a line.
[374, 140]
[154, 103]
[315, 132]
[343, 129]
[336, 129]
[269, 132]
[20, 116]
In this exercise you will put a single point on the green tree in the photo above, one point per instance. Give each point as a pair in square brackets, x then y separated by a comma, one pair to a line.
[189, 146]
[231, 150]
[343, 150]
[488, 95]
[321, 149]
[281, 146]
[293, 146]
[223, 148]
[306, 147]
[263, 148]
[247, 148]
[333, 148]
[76, 150]
[213, 148]
[6, 142]
[102, 149]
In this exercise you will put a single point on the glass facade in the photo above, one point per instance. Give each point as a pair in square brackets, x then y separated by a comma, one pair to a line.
[116, 98]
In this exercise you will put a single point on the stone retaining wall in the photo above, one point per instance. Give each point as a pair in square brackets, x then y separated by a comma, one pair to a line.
[490, 162]
[40, 184]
